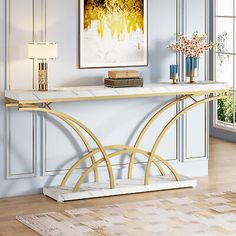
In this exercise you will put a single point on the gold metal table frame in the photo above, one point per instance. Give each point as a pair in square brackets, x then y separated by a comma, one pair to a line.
[118, 150]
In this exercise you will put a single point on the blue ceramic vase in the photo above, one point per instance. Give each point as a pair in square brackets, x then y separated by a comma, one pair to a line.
[192, 68]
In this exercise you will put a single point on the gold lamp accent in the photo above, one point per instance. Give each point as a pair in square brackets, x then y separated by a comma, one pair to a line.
[42, 51]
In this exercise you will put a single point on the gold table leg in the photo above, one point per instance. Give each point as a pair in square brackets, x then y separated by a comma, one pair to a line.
[167, 127]
[148, 125]
[89, 149]
[127, 150]
[132, 151]
[89, 132]
[118, 153]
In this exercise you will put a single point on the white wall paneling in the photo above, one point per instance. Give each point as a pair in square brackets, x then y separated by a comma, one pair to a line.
[20, 143]
[33, 137]
[64, 16]
[2, 87]
[197, 119]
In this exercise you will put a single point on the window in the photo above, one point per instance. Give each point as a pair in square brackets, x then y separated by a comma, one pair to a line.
[225, 60]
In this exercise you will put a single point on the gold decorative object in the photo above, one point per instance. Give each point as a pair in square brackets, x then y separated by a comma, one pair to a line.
[123, 83]
[42, 51]
[123, 79]
[125, 74]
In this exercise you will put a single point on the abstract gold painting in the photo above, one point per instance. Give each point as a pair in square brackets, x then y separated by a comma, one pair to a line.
[113, 33]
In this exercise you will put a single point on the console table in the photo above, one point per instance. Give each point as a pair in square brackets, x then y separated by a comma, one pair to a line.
[167, 177]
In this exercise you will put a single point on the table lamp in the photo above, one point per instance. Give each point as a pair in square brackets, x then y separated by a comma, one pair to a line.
[42, 51]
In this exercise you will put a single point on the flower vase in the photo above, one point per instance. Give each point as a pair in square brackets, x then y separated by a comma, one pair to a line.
[192, 68]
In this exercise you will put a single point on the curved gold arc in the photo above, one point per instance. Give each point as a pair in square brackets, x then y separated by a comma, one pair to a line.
[98, 162]
[147, 126]
[89, 132]
[89, 149]
[86, 173]
[131, 149]
[79, 162]
[166, 128]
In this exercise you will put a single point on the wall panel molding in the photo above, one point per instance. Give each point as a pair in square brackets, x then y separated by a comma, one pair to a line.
[188, 136]
[44, 141]
[40, 32]
[18, 164]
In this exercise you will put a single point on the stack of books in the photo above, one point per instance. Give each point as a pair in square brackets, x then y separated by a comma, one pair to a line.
[123, 78]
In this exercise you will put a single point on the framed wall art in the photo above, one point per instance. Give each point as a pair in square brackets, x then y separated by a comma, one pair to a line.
[113, 33]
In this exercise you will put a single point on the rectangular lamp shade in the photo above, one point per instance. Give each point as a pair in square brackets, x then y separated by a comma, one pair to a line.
[42, 50]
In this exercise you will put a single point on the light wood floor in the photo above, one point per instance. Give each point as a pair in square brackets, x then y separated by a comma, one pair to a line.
[222, 177]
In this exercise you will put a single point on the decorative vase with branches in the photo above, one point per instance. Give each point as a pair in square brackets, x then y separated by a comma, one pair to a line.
[193, 48]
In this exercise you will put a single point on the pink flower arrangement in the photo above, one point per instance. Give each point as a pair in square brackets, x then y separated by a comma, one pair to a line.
[193, 47]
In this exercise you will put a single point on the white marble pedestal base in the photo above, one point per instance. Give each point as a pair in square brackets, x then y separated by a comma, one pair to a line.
[124, 186]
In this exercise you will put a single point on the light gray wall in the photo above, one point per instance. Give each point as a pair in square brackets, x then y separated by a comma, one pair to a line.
[35, 150]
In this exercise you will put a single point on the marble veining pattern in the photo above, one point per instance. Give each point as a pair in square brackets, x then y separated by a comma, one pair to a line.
[91, 92]
[123, 186]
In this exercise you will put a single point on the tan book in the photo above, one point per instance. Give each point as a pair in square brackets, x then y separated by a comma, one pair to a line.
[123, 74]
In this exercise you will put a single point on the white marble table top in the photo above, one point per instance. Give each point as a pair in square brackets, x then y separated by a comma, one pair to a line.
[102, 92]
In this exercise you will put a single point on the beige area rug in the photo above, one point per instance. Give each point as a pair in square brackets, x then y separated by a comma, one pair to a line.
[200, 215]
